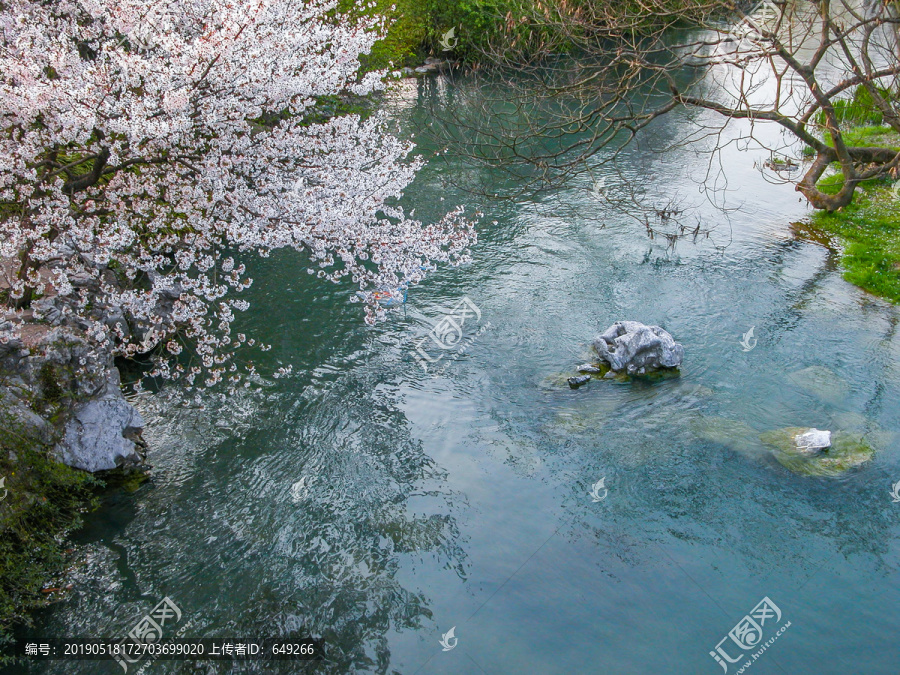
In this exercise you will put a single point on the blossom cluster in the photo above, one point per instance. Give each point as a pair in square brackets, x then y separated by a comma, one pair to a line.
[145, 144]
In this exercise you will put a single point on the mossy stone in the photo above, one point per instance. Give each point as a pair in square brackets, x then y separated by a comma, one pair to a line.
[847, 451]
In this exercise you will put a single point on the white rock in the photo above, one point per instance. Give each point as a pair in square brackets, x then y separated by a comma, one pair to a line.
[813, 441]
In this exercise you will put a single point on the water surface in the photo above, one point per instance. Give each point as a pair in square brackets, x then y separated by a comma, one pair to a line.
[375, 506]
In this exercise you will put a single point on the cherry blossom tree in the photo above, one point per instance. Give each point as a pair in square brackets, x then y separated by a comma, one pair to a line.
[146, 145]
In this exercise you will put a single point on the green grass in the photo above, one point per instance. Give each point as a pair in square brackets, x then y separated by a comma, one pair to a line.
[506, 26]
[868, 137]
[869, 227]
[859, 110]
[408, 29]
[869, 231]
[861, 122]
[862, 137]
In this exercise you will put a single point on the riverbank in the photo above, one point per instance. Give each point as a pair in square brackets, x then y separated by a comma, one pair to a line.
[420, 28]
[63, 419]
[868, 230]
[41, 501]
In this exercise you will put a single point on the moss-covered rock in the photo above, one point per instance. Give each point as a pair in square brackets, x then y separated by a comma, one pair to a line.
[561, 380]
[657, 375]
[848, 451]
[862, 426]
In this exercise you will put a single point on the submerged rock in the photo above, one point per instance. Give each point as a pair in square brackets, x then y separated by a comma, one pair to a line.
[822, 383]
[634, 348]
[861, 426]
[846, 452]
[555, 381]
[733, 434]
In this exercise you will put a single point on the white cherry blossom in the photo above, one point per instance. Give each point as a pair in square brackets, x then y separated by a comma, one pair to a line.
[148, 145]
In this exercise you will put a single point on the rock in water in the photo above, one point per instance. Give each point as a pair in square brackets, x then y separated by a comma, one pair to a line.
[576, 382]
[63, 387]
[635, 348]
[588, 368]
[733, 434]
[104, 433]
[847, 451]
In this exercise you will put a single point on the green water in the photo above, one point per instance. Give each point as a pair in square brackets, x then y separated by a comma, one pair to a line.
[375, 506]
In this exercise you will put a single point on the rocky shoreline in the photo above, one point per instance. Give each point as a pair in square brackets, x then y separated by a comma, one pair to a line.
[64, 391]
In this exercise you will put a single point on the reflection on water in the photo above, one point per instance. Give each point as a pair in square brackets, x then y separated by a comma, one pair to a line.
[367, 503]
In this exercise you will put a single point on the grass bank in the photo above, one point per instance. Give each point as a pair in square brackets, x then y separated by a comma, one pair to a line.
[868, 231]
[416, 28]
